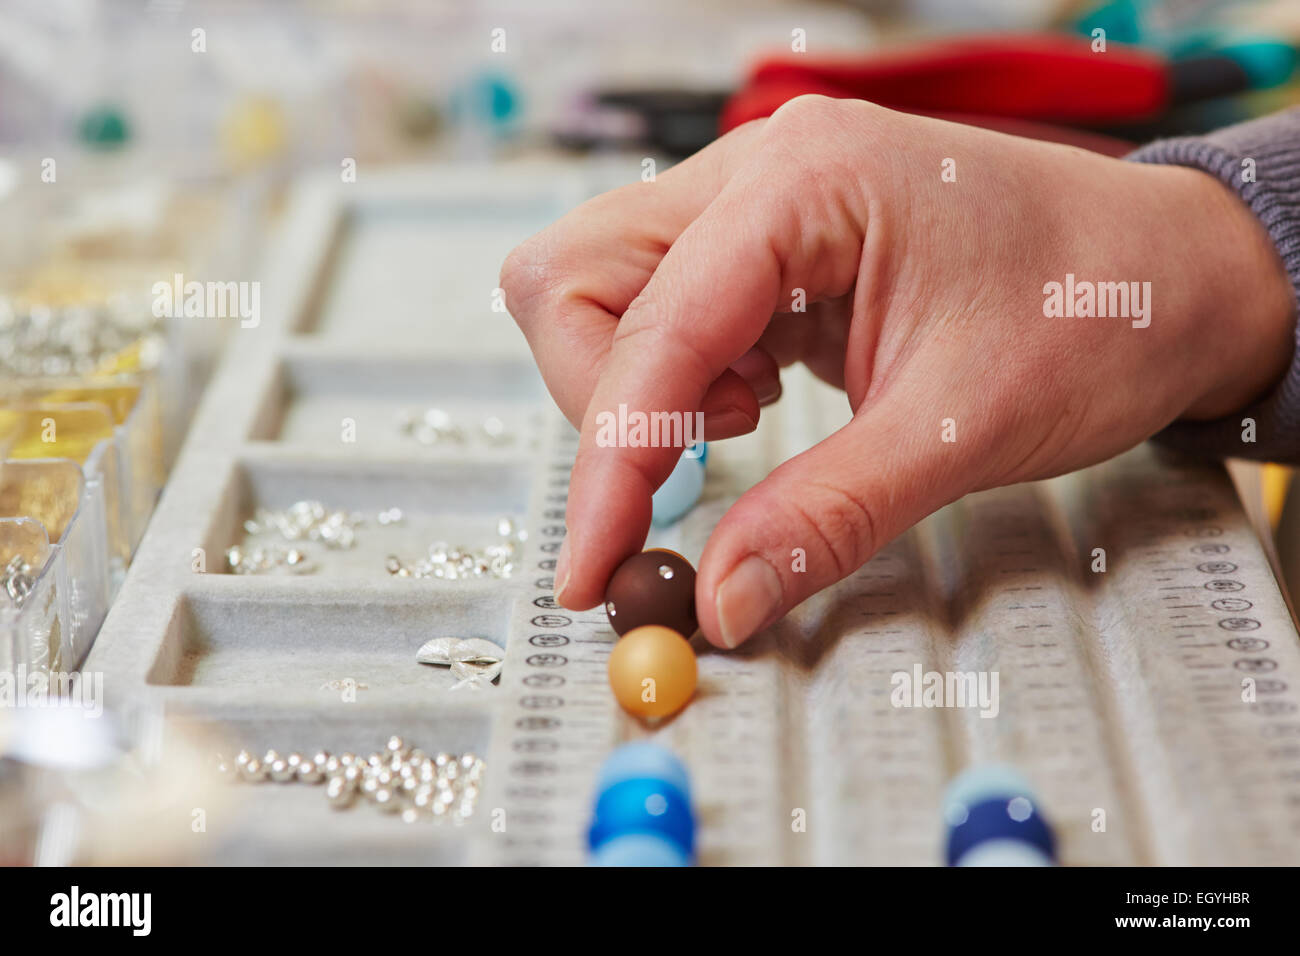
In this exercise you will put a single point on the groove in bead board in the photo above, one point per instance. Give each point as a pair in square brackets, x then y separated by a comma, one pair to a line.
[1119, 692]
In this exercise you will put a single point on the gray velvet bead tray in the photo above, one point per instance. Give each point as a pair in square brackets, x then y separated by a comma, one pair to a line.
[1119, 692]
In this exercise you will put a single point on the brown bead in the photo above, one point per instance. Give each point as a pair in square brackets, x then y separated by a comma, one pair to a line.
[653, 587]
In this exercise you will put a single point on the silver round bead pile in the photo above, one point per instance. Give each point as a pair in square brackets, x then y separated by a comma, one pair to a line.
[18, 577]
[301, 521]
[308, 521]
[73, 339]
[265, 560]
[398, 780]
[453, 562]
[434, 426]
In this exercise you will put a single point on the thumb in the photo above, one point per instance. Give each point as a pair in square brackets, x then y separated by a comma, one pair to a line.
[821, 515]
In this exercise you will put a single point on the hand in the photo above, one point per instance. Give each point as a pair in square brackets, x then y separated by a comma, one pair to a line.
[926, 303]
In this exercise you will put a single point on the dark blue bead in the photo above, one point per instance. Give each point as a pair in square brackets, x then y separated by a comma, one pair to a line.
[989, 820]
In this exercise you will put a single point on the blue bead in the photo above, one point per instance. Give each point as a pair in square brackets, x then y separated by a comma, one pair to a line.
[642, 760]
[997, 820]
[986, 808]
[640, 849]
[643, 806]
[681, 491]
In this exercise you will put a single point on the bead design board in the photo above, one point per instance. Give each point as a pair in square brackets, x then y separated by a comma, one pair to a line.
[1120, 694]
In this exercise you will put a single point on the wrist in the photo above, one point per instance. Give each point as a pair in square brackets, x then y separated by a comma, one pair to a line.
[1241, 312]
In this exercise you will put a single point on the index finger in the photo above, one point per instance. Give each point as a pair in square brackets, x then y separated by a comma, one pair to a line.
[567, 286]
[704, 307]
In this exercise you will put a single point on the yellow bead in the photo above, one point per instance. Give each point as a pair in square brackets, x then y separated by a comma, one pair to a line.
[652, 671]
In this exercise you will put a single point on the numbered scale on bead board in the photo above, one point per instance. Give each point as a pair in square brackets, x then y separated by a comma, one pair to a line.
[1119, 631]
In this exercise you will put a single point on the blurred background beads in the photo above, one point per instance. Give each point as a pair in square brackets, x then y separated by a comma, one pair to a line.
[435, 426]
[78, 339]
[267, 560]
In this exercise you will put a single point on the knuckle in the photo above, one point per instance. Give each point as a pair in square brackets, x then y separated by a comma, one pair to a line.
[531, 270]
[643, 331]
[807, 111]
[842, 521]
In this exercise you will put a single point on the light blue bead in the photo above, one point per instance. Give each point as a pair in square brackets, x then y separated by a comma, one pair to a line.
[642, 760]
[639, 849]
[981, 783]
[681, 491]
[1004, 853]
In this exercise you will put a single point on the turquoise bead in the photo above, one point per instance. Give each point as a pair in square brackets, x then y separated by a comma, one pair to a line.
[640, 849]
[681, 491]
[643, 760]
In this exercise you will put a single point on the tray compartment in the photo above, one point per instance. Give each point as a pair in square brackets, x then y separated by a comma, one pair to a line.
[458, 502]
[265, 638]
[312, 397]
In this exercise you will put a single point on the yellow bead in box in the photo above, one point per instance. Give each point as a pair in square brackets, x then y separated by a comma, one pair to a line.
[21, 536]
[120, 400]
[54, 431]
[253, 132]
[47, 491]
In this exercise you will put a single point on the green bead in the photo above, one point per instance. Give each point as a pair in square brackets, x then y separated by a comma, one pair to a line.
[104, 127]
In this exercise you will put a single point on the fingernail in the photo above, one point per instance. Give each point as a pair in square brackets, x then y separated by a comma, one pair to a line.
[768, 391]
[747, 597]
[728, 423]
[562, 571]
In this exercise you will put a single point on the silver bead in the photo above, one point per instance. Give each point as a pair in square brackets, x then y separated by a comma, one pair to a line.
[386, 800]
[281, 772]
[253, 770]
[340, 795]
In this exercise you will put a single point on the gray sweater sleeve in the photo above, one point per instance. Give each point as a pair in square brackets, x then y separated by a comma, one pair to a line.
[1273, 144]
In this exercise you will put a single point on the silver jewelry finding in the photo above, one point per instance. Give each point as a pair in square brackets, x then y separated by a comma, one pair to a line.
[18, 579]
[400, 779]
